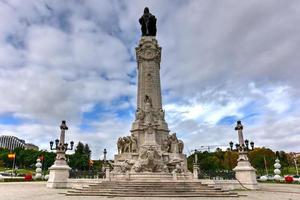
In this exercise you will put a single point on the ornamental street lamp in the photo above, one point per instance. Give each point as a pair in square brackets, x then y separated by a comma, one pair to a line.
[247, 144]
[104, 153]
[295, 162]
[196, 156]
[196, 168]
[237, 146]
[244, 172]
[252, 145]
[59, 171]
[60, 146]
[104, 160]
[231, 145]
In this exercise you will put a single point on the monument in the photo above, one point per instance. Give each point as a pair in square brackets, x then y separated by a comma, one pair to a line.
[150, 151]
[244, 172]
[59, 171]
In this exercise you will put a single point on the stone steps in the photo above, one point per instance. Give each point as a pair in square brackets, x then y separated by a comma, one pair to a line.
[151, 189]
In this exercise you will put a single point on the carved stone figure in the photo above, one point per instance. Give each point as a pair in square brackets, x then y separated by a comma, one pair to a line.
[174, 143]
[148, 111]
[179, 168]
[139, 115]
[148, 23]
[180, 146]
[161, 115]
[120, 145]
[166, 145]
[127, 144]
[134, 146]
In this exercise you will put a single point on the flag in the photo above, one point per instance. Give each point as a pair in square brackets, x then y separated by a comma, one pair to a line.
[11, 156]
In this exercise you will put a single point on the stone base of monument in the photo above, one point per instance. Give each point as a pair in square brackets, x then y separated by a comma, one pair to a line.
[151, 176]
[245, 175]
[59, 174]
[152, 189]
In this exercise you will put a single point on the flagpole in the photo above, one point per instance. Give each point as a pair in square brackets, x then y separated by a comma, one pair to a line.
[14, 163]
[266, 165]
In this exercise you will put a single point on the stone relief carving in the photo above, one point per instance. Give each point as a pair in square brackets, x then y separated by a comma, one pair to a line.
[123, 167]
[179, 168]
[149, 115]
[148, 50]
[150, 160]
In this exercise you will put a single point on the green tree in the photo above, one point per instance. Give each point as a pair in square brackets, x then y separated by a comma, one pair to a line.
[261, 156]
[87, 150]
[80, 159]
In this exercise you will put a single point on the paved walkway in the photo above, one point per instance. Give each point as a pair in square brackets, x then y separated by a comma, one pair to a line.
[38, 191]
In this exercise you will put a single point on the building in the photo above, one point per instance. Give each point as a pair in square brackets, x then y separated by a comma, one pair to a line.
[12, 142]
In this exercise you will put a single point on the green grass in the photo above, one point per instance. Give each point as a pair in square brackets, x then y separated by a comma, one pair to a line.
[18, 171]
[284, 171]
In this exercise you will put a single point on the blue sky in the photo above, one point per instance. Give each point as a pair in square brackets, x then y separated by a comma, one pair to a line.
[222, 61]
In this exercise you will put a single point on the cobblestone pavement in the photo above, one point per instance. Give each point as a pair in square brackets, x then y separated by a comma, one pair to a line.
[38, 191]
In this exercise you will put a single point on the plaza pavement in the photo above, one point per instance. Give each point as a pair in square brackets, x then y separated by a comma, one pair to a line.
[38, 191]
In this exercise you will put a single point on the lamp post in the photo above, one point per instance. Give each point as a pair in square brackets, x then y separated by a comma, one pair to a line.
[295, 161]
[104, 160]
[244, 172]
[252, 145]
[247, 144]
[59, 171]
[12, 156]
[196, 156]
[231, 145]
[195, 165]
[104, 153]
[106, 167]
[237, 146]
[60, 146]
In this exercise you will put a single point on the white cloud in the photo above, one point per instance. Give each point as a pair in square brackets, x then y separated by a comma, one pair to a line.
[61, 59]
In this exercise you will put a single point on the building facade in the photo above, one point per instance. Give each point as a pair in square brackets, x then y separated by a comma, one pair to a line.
[12, 142]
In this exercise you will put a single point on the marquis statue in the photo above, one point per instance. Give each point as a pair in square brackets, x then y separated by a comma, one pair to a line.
[148, 23]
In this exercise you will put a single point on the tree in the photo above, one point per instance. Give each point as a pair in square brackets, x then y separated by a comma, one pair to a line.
[79, 148]
[259, 156]
[80, 159]
[87, 150]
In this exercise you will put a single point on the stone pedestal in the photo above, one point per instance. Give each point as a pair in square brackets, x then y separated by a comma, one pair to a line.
[245, 173]
[195, 171]
[59, 174]
[107, 173]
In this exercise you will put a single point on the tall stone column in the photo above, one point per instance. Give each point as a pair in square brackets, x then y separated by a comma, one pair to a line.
[148, 55]
[149, 114]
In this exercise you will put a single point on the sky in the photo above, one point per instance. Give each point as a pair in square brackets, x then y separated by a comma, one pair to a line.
[222, 61]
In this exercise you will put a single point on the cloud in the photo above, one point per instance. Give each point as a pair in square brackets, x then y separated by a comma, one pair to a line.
[221, 61]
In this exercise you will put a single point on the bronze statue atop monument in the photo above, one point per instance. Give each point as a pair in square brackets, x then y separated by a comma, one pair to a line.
[148, 23]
